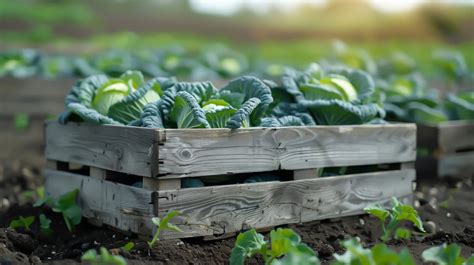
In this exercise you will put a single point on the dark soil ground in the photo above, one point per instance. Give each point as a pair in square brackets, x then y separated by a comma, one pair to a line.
[446, 208]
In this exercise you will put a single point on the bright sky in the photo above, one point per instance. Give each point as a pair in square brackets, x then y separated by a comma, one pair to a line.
[228, 7]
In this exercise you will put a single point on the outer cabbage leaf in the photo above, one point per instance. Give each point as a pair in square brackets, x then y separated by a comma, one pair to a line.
[284, 121]
[423, 114]
[360, 80]
[252, 87]
[337, 112]
[218, 115]
[319, 91]
[82, 93]
[460, 108]
[293, 109]
[243, 116]
[201, 91]
[131, 107]
[186, 112]
[235, 99]
[108, 94]
[151, 116]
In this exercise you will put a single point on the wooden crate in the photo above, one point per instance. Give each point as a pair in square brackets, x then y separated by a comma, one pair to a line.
[112, 156]
[451, 148]
[33, 96]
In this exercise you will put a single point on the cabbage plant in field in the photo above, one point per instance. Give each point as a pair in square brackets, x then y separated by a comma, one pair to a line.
[337, 96]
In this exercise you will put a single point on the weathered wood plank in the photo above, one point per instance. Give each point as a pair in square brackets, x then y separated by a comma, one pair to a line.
[305, 174]
[97, 173]
[34, 96]
[162, 184]
[125, 207]
[187, 153]
[455, 135]
[226, 209]
[119, 148]
[456, 165]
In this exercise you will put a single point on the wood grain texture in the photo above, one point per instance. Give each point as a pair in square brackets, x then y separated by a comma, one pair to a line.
[125, 207]
[188, 153]
[119, 148]
[225, 209]
[179, 153]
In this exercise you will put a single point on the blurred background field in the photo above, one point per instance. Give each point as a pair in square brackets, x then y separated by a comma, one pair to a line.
[290, 32]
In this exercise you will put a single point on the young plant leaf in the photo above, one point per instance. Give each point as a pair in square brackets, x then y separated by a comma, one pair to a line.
[24, 222]
[247, 244]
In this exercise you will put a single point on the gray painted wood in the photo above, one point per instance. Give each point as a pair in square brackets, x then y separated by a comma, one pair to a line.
[226, 209]
[454, 135]
[119, 148]
[188, 153]
[125, 207]
[178, 153]
[219, 210]
[456, 165]
[34, 96]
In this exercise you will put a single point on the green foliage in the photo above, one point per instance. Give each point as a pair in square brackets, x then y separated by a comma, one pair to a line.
[104, 257]
[24, 222]
[21, 122]
[399, 212]
[380, 254]
[45, 224]
[66, 205]
[446, 255]
[285, 248]
[128, 247]
[164, 224]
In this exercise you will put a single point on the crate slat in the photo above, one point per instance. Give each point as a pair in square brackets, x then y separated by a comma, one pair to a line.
[178, 153]
[119, 148]
[224, 209]
[451, 145]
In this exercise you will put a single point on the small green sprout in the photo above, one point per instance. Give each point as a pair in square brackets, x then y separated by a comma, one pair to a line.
[446, 255]
[91, 256]
[21, 122]
[379, 254]
[399, 212]
[128, 247]
[285, 243]
[163, 224]
[24, 222]
[66, 205]
[45, 224]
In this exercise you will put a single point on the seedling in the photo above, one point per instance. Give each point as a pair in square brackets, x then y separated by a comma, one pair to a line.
[66, 205]
[284, 243]
[21, 122]
[399, 212]
[104, 257]
[45, 224]
[24, 222]
[446, 255]
[128, 247]
[380, 254]
[163, 224]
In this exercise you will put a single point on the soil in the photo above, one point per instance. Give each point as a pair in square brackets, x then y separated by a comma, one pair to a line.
[445, 207]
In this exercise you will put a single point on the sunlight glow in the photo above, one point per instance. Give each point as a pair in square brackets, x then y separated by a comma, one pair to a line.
[230, 7]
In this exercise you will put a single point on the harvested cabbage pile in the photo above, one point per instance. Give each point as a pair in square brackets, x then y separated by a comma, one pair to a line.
[314, 96]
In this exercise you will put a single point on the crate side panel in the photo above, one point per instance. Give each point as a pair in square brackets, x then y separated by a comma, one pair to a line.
[119, 148]
[187, 153]
[456, 165]
[456, 135]
[121, 206]
[226, 209]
